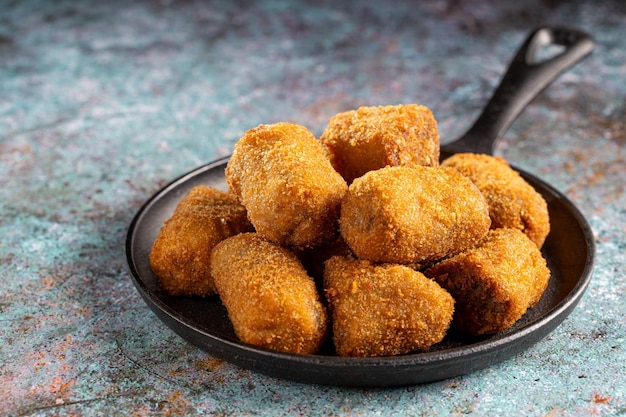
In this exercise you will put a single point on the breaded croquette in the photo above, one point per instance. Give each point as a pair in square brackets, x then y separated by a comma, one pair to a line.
[384, 309]
[270, 299]
[409, 215]
[512, 201]
[180, 257]
[289, 188]
[370, 138]
[494, 283]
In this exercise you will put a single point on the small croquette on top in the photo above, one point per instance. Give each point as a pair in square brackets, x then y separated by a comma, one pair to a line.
[370, 138]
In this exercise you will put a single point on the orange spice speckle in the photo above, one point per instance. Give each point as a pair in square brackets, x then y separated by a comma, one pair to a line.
[59, 386]
[210, 363]
[598, 398]
[48, 283]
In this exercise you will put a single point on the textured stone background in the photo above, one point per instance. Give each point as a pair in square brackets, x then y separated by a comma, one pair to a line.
[102, 103]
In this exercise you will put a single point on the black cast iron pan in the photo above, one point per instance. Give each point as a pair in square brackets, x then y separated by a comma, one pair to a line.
[569, 250]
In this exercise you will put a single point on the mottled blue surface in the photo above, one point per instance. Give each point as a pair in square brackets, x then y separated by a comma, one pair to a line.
[102, 103]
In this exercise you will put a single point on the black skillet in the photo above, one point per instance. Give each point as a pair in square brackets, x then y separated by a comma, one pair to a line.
[569, 250]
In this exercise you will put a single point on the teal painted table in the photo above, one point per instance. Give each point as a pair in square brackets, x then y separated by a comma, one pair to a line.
[103, 104]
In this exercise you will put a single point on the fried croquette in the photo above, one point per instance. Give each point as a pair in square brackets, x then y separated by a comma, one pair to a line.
[370, 138]
[289, 188]
[410, 215]
[494, 283]
[270, 299]
[512, 201]
[180, 257]
[384, 309]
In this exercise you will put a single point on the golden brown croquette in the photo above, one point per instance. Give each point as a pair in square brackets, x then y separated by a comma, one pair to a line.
[370, 138]
[270, 299]
[384, 309]
[408, 215]
[291, 192]
[494, 283]
[180, 257]
[512, 201]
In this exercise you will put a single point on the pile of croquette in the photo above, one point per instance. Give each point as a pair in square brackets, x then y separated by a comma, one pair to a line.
[361, 236]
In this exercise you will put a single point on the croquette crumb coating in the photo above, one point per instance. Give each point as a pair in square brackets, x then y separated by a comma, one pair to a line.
[270, 299]
[384, 309]
[287, 184]
[180, 257]
[370, 138]
[410, 215]
[512, 201]
[494, 283]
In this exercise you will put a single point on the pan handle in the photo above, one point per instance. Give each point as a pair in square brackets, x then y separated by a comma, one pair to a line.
[525, 78]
